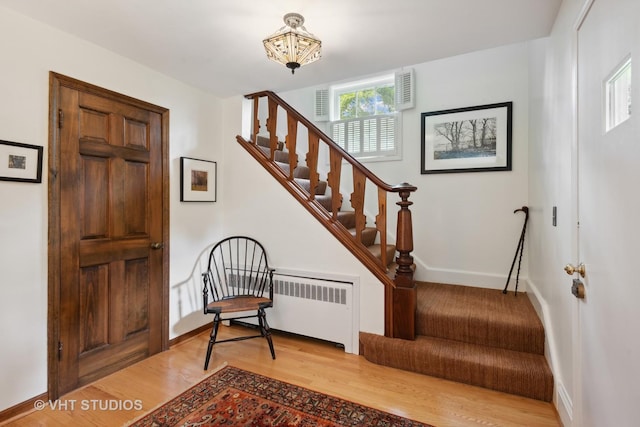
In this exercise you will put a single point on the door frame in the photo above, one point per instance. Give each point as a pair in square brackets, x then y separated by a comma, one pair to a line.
[577, 402]
[56, 81]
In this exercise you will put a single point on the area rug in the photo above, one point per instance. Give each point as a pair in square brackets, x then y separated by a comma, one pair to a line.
[234, 397]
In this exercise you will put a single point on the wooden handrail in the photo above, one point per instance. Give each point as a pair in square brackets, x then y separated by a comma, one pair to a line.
[400, 295]
[323, 136]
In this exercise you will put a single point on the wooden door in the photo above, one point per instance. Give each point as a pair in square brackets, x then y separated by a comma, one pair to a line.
[108, 233]
[608, 38]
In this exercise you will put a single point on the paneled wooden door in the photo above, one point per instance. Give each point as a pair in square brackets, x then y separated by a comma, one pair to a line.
[108, 232]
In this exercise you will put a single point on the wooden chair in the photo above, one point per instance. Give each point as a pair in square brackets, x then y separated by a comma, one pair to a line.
[238, 280]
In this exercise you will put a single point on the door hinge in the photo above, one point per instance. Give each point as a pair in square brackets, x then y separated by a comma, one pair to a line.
[60, 118]
[59, 350]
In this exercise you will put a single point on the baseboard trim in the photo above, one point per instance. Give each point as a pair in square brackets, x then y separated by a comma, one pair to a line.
[564, 404]
[189, 335]
[21, 409]
[562, 399]
[469, 278]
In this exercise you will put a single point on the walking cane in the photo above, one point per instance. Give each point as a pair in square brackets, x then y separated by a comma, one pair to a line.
[520, 249]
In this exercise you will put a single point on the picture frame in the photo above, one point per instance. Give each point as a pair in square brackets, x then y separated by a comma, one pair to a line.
[198, 180]
[470, 139]
[20, 162]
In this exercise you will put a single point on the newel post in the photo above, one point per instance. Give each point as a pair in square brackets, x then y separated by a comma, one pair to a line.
[404, 294]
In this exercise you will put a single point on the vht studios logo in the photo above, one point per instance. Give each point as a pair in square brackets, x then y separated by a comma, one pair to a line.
[90, 405]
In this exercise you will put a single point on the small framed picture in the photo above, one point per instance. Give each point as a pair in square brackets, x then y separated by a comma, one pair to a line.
[197, 180]
[471, 139]
[20, 162]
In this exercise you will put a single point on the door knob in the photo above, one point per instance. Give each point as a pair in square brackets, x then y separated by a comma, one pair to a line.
[157, 245]
[571, 269]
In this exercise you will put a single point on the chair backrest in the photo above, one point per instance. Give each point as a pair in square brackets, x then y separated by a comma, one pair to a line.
[238, 267]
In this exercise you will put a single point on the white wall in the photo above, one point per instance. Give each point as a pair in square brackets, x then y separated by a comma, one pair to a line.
[551, 153]
[29, 50]
[464, 228]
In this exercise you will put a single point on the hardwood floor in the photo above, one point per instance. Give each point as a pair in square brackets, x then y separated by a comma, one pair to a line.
[114, 400]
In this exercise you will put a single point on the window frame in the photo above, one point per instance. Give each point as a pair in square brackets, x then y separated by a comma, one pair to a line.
[371, 83]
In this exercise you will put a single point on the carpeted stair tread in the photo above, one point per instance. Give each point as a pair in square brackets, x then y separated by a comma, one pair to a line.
[480, 316]
[321, 188]
[368, 235]
[278, 156]
[325, 200]
[264, 141]
[298, 172]
[520, 373]
[347, 218]
[376, 250]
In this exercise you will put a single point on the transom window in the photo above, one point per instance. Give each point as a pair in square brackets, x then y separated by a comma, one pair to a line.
[618, 95]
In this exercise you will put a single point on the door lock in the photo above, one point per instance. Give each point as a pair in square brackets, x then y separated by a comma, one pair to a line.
[571, 269]
[577, 289]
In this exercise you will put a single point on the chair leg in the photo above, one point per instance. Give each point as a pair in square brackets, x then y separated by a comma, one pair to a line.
[265, 331]
[212, 339]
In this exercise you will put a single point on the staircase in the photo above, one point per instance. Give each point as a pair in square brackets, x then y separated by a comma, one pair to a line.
[323, 196]
[471, 335]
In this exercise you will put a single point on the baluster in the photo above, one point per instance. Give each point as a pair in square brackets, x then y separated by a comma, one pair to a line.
[381, 225]
[333, 179]
[312, 163]
[256, 121]
[357, 202]
[272, 127]
[291, 142]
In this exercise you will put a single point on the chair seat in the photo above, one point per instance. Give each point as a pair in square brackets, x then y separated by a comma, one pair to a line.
[238, 303]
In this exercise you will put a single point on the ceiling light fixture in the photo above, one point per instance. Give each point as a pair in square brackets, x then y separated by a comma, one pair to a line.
[292, 45]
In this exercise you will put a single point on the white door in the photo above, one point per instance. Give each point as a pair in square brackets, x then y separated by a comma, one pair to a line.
[609, 212]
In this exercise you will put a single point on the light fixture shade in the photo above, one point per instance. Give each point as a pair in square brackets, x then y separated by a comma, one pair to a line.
[292, 45]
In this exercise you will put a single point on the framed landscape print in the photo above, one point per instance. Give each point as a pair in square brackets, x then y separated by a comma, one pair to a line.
[471, 139]
[197, 180]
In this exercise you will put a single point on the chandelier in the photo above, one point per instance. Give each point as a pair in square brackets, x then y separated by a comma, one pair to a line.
[292, 45]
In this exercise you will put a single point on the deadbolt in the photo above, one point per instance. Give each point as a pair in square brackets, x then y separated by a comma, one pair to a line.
[571, 269]
[577, 289]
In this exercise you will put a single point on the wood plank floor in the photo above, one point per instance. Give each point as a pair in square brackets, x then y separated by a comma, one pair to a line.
[308, 363]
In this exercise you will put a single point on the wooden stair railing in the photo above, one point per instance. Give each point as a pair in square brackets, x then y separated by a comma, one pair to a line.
[400, 291]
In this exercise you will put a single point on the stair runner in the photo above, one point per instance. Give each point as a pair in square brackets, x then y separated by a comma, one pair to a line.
[323, 196]
[471, 335]
[465, 334]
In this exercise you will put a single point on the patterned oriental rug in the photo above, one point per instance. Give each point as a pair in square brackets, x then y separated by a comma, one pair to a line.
[234, 397]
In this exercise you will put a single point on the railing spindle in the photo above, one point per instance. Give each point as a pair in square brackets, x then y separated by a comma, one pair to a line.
[272, 127]
[312, 164]
[291, 142]
[333, 180]
[381, 225]
[357, 202]
[256, 120]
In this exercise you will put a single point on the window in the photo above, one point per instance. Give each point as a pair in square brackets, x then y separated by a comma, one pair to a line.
[618, 95]
[364, 118]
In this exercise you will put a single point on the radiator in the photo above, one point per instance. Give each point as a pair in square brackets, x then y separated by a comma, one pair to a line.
[323, 307]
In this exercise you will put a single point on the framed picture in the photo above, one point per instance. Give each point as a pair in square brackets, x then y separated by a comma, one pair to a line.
[472, 139]
[20, 162]
[197, 180]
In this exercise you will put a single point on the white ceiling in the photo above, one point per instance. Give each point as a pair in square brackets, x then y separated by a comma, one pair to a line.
[217, 45]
